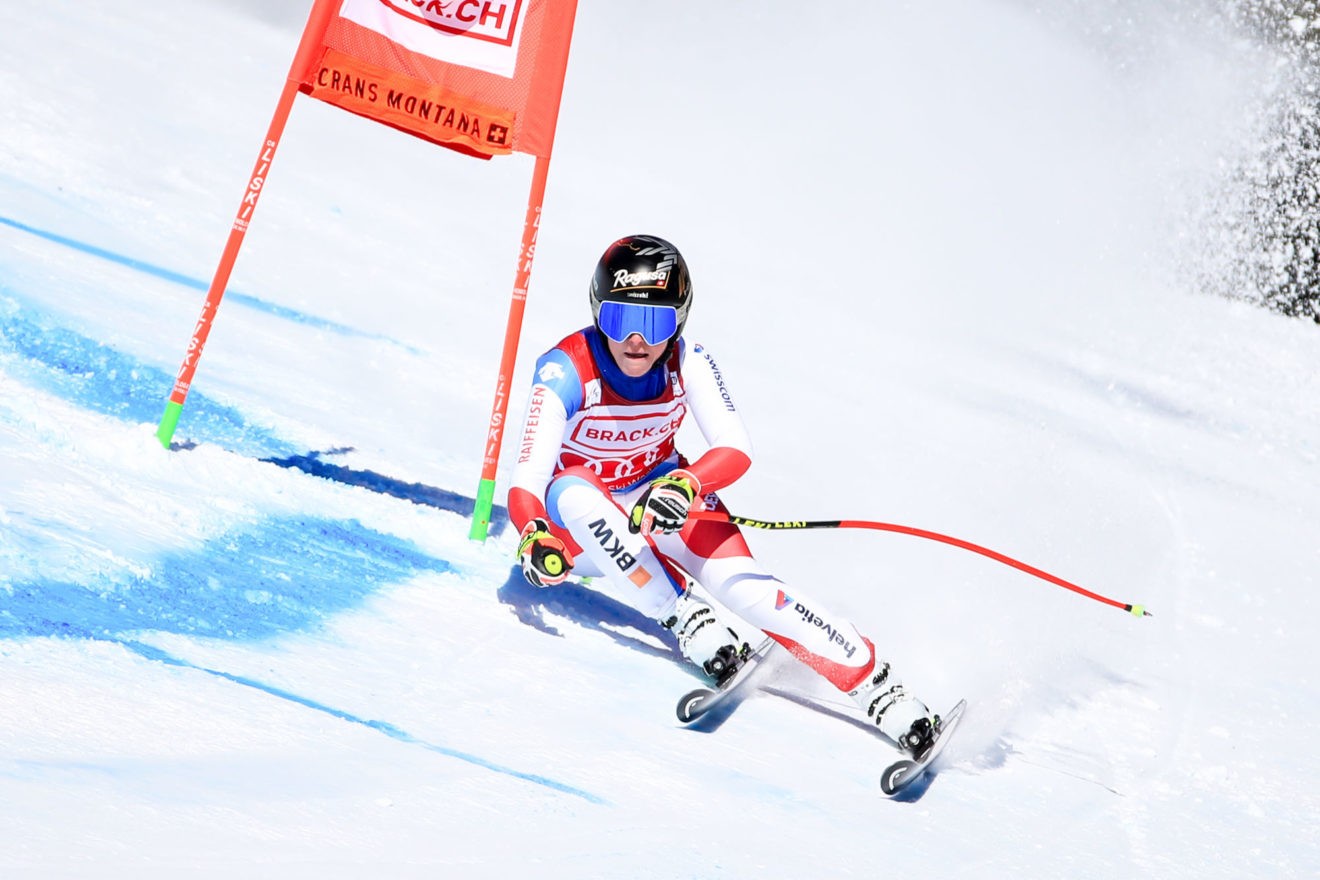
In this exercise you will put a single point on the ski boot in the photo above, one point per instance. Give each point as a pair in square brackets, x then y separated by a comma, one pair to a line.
[899, 716]
[704, 640]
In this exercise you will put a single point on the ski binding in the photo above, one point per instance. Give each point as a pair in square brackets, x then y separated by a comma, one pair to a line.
[696, 704]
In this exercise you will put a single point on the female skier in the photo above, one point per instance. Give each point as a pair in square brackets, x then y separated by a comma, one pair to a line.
[600, 489]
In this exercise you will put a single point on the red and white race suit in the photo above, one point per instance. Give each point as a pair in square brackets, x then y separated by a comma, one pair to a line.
[592, 440]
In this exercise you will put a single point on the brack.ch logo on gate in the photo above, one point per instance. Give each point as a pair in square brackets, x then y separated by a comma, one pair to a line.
[495, 21]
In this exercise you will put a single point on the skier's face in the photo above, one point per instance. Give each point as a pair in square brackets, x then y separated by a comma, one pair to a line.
[633, 355]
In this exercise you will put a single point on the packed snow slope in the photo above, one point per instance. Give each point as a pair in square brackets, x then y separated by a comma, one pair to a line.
[934, 249]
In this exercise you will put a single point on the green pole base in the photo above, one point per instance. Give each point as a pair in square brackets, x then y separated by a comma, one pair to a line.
[168, 422]
[481, 510]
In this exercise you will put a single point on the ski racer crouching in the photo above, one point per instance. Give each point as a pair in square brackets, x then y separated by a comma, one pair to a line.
[600, 489]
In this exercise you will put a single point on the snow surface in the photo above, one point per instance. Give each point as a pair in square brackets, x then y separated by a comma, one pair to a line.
[935, 248]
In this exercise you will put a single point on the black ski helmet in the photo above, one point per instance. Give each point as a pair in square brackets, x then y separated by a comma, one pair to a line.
[642, 270]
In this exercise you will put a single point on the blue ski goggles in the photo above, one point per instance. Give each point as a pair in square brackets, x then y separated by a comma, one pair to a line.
[619, 320]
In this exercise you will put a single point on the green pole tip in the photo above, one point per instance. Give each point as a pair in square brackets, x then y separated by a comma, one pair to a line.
[1140, 611]
[168, 422]
[481, 510]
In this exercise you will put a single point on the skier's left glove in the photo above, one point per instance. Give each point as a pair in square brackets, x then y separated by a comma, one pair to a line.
[545, 559]
[663, 507]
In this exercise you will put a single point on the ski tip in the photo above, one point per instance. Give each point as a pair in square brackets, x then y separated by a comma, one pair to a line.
[896, 777]
[692, 707]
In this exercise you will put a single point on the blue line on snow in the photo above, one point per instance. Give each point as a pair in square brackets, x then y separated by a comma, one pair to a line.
[97, 377]
[196, 283]
[287, 575]
[390, 730]
[283, 575]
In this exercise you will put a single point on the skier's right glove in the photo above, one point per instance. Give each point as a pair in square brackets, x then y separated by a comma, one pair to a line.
[545, 559]
[663, 507]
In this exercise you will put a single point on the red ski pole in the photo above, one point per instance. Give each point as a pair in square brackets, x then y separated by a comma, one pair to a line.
[1136, 610]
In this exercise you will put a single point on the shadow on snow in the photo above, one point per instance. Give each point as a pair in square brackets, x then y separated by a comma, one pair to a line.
[418, 493]
[590, 609]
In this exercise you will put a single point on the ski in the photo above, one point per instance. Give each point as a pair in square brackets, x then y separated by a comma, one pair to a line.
[696, 704]
[902, 773]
